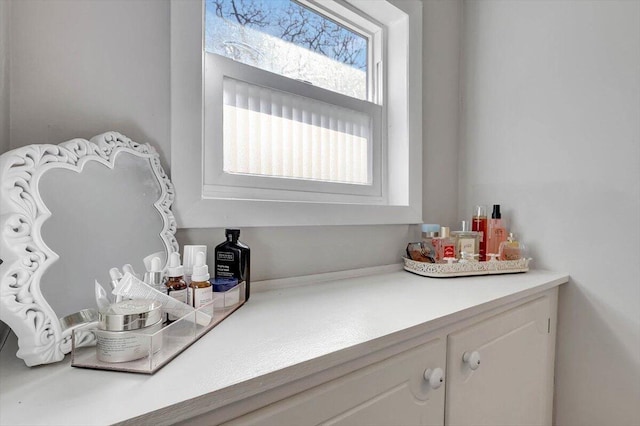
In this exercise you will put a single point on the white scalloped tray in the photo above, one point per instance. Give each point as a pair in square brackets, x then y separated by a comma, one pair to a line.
[445, 270]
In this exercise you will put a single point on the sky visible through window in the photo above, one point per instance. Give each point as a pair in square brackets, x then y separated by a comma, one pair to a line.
[294, 23]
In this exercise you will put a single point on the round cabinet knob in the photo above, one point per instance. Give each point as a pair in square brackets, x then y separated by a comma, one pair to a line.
[435, 377]
[472, 359]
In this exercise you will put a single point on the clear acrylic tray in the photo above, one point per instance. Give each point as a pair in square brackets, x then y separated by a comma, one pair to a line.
[155, 350]
[446, 270]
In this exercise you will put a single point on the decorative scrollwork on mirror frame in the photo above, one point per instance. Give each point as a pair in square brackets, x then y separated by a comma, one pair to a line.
[25, 255]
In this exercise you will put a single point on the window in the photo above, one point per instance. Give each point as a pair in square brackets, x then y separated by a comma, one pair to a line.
[296, 112]
[291, 39]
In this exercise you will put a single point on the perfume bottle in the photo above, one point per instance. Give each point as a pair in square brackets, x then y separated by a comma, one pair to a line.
[479, 224]
[232, 259]
[421, 252]
[429, 231]
[176, 285]
[445, 246]
[511, 249]
[199, 292]
[427, 247]
[496, 231]
[467, 241]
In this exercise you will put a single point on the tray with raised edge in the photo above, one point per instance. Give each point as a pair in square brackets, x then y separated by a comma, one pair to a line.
[159, 348]
[446, 270]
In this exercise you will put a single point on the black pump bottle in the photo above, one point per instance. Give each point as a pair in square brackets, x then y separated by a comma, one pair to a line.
[232, 259]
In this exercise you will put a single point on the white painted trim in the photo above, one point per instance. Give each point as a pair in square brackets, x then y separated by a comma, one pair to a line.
[218, 184]
[187, 104]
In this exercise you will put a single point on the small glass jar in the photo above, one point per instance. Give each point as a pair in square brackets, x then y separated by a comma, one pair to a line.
[125, 329]
[511, 249]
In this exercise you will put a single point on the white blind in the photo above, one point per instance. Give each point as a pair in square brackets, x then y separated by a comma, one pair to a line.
[273, 133]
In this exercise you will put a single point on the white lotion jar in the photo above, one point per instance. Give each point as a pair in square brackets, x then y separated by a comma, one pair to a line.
[125, 329]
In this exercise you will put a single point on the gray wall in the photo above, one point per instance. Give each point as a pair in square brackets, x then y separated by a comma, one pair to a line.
[80, 68]
[551, 130]
[4, 75]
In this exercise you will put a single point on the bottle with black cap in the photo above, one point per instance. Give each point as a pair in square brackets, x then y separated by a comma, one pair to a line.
[497, 231]
[232, 259]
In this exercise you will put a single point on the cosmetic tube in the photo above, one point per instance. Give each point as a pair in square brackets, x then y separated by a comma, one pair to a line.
[132, 288]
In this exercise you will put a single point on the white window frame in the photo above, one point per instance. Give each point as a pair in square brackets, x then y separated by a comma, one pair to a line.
[399, 199]
[219, 184]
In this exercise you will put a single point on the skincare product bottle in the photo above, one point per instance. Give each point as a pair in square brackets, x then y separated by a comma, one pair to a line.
[497, 232]
[445, 246]
[176, 286]
[467, 241]
[511, 249]
[232, 259]
[154, 276]
[200, 292]
[479, 224]
[189, 259]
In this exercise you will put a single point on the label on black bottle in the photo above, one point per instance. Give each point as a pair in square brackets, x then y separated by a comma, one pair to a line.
[225, 256]
[227, 266]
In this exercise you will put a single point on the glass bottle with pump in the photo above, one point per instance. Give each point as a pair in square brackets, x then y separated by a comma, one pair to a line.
[200, 292]
[479, 224]
[496, 231]
[467, 242]
[232, 259]
[176, 286]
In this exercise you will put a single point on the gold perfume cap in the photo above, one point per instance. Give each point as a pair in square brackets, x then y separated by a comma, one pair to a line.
[444, 231]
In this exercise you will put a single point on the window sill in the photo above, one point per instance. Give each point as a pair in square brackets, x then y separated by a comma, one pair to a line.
[220, 213]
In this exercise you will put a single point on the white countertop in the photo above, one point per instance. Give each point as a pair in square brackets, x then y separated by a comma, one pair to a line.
[259, 346]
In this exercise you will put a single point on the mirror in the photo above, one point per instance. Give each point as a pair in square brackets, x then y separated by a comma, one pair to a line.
[69, 213]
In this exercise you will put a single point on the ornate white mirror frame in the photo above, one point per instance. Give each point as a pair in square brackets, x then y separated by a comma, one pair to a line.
[25, 256]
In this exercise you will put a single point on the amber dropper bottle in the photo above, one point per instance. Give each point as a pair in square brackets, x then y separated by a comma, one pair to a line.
[176, 286]
[200, 292]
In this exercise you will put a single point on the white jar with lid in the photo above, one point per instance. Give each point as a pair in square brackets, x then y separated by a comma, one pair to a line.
[125, 329]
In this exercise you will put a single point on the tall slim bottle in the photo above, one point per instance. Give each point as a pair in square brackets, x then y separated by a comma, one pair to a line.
[496, 231]
[232, 259]
[479, 224]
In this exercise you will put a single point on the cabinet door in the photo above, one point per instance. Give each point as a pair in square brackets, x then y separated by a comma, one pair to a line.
[391, 392]
[513, 382]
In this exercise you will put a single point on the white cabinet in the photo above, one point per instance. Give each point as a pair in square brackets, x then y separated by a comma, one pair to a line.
[511, 380]
[391, 392]
[506, 378]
